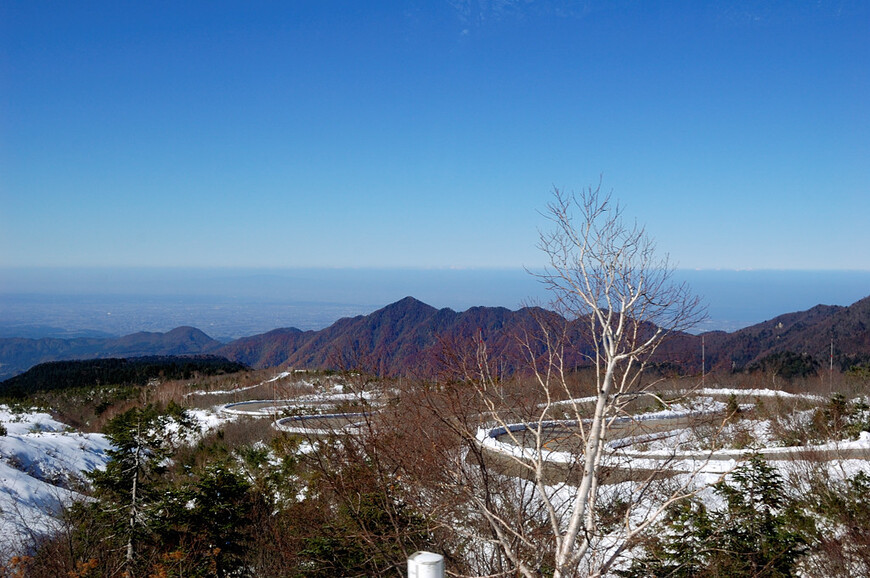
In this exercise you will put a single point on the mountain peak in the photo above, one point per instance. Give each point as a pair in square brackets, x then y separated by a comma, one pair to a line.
[410, 301]
[409, 306]
[188, 332]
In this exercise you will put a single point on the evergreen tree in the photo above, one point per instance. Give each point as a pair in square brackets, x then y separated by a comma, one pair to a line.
[128, 490]
[210, 522]
[759, 533]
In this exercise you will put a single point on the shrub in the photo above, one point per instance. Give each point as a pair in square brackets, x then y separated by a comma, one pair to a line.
[787, 364]
[843, 508]
[760, 532]
[840, 418]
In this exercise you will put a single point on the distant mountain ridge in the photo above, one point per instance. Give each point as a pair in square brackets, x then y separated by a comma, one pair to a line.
[18, 354]
[812, 332]
[407, 337]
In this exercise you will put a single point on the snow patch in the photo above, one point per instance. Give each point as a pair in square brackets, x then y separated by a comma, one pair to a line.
[41, 459]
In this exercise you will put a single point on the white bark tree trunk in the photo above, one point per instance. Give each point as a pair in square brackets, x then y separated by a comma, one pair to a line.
[604, 272]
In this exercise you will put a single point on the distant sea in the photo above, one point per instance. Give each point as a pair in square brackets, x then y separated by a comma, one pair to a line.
[231, 303]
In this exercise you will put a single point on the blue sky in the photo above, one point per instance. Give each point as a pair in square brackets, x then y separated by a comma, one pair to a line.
[429, 134]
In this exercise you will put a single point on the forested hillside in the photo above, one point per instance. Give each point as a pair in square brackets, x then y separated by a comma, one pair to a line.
[410, 338]
[136, 371]
[19, 354]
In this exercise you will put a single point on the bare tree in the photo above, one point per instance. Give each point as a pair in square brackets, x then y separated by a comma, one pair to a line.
[540, 481]
[605, 272]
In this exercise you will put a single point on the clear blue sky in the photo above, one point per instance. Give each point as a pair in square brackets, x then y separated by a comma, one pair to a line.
[428, 134]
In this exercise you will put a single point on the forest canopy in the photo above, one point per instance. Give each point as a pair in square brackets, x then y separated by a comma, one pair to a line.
[57, 375]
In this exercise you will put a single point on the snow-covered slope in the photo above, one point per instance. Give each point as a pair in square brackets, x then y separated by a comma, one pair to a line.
[41, 461]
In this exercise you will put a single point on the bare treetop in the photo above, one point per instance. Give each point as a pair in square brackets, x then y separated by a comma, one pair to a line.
[606, 269]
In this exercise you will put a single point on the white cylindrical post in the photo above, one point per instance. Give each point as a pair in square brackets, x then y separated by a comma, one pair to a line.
[425, 565]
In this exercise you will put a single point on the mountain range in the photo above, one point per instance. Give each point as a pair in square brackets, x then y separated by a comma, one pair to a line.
[409, 337]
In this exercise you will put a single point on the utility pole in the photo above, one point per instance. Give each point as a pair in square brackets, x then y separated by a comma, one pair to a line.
[703, 361]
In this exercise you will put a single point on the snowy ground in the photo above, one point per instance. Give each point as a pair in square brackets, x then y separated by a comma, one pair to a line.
[41, 462]
[686, 449]
[278, 377]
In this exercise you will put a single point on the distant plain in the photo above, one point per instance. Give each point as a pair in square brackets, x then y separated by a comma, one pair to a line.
[231, 303]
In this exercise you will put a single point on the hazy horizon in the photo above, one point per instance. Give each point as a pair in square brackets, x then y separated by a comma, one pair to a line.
[228, 303]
